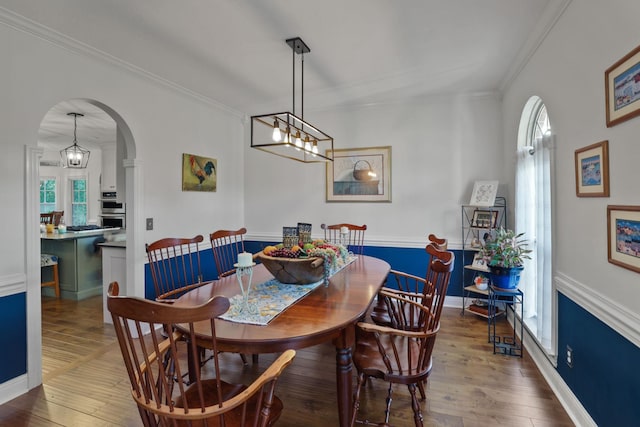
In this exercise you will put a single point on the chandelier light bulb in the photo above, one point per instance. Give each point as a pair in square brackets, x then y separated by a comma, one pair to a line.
[287, 136]
[307, 143]
[277, 135]
[298, 140]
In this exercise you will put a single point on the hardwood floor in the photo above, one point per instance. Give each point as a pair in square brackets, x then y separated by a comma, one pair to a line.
[85, 383]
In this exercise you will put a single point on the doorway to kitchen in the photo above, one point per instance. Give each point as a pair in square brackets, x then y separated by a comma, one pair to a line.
[131, 172]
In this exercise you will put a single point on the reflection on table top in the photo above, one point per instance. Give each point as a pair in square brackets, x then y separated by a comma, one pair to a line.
[318, 316]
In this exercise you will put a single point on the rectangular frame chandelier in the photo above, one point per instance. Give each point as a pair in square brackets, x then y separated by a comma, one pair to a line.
[287, 135]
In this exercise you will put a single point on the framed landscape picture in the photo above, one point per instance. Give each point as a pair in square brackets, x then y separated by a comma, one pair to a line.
[359, 175]
[622, 88]
[623, 236]
[592, 170]
[199, 173]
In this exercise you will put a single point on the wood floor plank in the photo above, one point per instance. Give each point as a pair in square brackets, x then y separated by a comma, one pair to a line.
[85, 383]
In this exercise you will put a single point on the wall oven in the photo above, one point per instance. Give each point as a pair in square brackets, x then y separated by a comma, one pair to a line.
[113, 213]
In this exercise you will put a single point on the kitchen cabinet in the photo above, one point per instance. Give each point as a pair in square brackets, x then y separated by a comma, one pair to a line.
[79, 261]
[109, 174]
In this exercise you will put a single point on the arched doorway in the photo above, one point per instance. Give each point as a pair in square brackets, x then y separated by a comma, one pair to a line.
[134, 274]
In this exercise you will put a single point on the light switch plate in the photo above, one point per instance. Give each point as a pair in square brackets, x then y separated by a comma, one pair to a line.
[149, 223]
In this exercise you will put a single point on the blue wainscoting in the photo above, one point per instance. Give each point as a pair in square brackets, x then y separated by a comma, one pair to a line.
[410, 260]
[605, 376]
[13, 314]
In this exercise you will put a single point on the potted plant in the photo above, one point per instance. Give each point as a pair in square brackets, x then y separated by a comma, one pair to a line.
[504, 254]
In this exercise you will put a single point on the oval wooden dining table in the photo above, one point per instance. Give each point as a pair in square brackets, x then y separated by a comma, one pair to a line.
[327, 313]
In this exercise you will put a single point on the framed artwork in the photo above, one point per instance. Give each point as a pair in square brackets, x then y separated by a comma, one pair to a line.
[479, 263]
[622, 88]
[199, 173]
[484, 193]
[623, 236]
[359, 175]
[484, 219]
[592, 170]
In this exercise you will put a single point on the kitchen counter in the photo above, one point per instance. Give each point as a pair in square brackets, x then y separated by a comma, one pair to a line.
[79, 260]
[80, 234]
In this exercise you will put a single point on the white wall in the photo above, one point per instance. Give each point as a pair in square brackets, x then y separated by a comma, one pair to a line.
[567, 72]
[39, 70]
[440, 146]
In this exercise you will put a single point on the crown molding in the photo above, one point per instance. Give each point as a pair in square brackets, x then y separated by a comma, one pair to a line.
[550, 17]
[33, 28]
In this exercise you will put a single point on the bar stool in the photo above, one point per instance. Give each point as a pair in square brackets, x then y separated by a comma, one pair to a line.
[48, 260]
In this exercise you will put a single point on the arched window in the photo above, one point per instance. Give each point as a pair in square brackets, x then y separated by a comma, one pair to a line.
[534, 217]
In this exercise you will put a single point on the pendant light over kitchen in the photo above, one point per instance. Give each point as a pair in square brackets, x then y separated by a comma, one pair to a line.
[287, 135]
[75, 156]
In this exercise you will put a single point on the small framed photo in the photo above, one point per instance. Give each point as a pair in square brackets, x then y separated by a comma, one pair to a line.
[620, 82]
[484, 193]
[484, 218]
[479, 263]
[592, 170]
[623, 236]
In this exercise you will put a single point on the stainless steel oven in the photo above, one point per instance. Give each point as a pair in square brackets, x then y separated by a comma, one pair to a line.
[109, 205]
[113, 213]
[113, 220]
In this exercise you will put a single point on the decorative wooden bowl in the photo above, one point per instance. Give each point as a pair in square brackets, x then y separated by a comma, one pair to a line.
[297, 271]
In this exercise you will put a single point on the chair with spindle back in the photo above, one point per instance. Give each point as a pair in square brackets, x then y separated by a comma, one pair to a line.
[57, 217]
[175, 266]
[226, 245]
[401, 353]
[437, 249]
[158, 367]
[46, 218]
[353, 240]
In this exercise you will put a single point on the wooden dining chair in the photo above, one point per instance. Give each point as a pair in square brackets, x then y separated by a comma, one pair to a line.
[175, 266]
[57, 217]
[158, 367]
[354, 238]
[441, 243]
[400, 353]
[49, 260]
[226, 245]
[411, 283]
[46, 218]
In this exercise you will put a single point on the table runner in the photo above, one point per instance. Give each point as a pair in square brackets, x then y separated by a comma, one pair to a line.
[271, 299]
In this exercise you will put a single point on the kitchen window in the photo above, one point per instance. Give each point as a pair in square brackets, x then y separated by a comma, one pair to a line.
[79, 201]
[47, 195]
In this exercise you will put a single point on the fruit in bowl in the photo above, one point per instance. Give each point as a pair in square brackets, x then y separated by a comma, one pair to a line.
[297, 271]
[305, 264]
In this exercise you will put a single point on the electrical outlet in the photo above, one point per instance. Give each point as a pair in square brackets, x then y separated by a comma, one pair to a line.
[569, 357]
[149, 223]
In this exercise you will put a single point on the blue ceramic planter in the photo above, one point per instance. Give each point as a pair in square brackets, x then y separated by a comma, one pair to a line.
[505, 278]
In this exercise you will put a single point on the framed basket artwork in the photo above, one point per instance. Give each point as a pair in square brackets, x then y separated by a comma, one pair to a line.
[621, 80]
[359, 175]
[592, 170]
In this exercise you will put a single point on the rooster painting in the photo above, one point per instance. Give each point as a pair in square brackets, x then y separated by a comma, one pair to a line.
[198, 173]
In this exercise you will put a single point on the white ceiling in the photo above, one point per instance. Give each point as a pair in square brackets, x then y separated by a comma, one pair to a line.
[362, 51]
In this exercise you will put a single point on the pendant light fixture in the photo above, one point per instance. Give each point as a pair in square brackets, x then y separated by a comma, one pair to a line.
[287, 135]
[75, 156]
